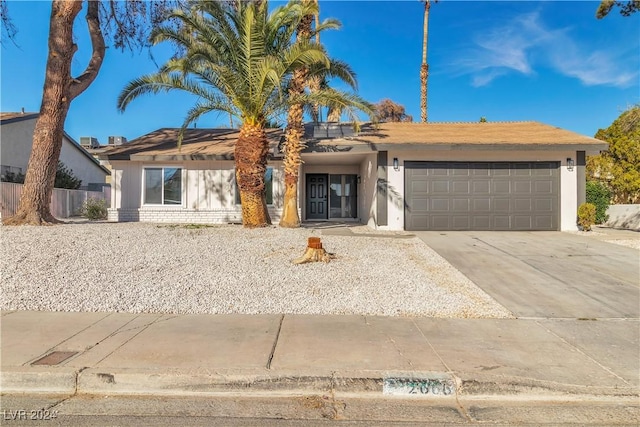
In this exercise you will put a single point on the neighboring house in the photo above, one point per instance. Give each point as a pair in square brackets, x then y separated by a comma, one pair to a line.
[394, 176]
[16, 138]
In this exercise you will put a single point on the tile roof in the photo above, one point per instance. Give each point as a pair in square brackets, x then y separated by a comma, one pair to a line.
[198, 144]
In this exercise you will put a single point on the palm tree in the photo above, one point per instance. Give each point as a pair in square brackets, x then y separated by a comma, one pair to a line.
[424, 68]
[238, 60]
[320, 95]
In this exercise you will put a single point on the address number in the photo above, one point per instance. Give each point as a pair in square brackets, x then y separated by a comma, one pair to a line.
[408, 386]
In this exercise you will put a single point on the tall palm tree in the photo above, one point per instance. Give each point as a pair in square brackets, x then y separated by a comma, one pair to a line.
[319, 95]
[424, 68]
[238, 60]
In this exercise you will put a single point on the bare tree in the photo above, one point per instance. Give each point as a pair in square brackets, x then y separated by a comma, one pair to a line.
[389, 111]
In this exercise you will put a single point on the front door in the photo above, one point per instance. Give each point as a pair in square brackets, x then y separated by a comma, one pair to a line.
[317, 203]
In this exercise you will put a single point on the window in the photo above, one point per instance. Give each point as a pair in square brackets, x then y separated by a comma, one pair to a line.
[163, 186]
[268, 187]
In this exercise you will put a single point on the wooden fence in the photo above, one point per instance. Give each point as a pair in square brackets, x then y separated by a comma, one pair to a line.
[64, 203]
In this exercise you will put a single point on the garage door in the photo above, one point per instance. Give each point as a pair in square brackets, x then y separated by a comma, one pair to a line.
[481, 195]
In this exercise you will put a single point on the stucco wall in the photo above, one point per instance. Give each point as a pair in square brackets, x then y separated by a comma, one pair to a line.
[568, 179]
[624, 216]
[208, 193]
[15, 149]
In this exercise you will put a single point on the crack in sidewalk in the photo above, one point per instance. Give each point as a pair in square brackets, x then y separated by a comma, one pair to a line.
[275, 343]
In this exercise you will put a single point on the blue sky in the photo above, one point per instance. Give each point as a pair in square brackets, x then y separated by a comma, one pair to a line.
[547, 61]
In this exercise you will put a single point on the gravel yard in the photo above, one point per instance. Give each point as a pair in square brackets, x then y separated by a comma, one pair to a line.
[148, 268]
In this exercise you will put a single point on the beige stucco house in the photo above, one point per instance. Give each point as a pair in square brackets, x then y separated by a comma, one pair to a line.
[391, 176]
[16, 138]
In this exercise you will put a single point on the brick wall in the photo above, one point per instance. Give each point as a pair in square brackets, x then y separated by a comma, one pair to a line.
[183, 216]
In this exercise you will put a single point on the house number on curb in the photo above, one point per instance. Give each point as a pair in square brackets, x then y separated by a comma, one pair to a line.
[409, 386]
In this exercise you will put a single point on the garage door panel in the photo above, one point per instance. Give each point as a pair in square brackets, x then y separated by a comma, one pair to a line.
[522, 205]
[440, 222]
[420, 187]
[544, 205]
[522, 222]
[440, 205]
[481, 205]
[501, 205]
[420, 205]
[481, 187]
[461, 187]
[501, 187]
[440, 186]
[461, 205]
[482, 195]
[481, 222]
[438, 171]
[501, 222]
[543, 187]
[520, 187]
[460, 222]
[543, 221]
[522, 169]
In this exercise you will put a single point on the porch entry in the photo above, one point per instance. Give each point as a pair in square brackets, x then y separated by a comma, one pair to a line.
[331, 196]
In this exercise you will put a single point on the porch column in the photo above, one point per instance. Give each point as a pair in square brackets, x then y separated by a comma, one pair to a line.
[581, 176]
[382, 199]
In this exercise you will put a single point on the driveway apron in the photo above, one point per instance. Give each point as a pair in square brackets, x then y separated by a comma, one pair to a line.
[546, 274]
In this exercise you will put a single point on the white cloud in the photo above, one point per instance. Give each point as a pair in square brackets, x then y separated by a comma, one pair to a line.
[525, 42]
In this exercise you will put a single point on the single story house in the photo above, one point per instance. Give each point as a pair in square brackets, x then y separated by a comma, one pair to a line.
[15, 149]
[391, 176]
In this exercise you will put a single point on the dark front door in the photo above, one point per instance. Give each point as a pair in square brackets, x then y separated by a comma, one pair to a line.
[317, 206]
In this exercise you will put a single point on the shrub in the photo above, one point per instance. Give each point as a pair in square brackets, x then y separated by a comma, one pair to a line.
[599, 196]
[94, 209]
[65, 178]
[17, 178]
[586, 216]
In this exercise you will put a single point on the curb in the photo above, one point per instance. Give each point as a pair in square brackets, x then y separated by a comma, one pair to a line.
[259, 382]
[38, 380]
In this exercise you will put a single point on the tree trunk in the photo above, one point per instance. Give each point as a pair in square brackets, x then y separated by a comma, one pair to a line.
[251, 164]
[290, 217]
[424, 75]
[424, 68]
[292, 160]
[293, 137]
[314, 253]
[58, 92]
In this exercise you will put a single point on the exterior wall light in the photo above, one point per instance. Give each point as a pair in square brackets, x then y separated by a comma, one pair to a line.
[570, 164]
[396, 164]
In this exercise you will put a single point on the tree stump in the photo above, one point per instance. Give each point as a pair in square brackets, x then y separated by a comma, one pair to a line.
[314, 252]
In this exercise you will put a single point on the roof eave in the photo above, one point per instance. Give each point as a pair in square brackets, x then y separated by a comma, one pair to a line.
[373, 147]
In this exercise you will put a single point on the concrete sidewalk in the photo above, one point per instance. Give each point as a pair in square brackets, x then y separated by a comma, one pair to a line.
[120, 353]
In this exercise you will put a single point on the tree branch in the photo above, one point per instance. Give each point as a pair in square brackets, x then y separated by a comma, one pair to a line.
[81, 83]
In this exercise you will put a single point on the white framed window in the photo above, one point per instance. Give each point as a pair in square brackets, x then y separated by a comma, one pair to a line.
[268, 187]
[162, 186]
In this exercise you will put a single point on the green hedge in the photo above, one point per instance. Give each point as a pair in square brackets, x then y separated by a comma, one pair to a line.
[599, 196]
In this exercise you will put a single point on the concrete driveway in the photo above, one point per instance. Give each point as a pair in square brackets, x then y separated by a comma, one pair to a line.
[547, 274]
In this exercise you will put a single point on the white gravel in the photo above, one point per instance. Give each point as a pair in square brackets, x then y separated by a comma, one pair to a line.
[148, 268]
